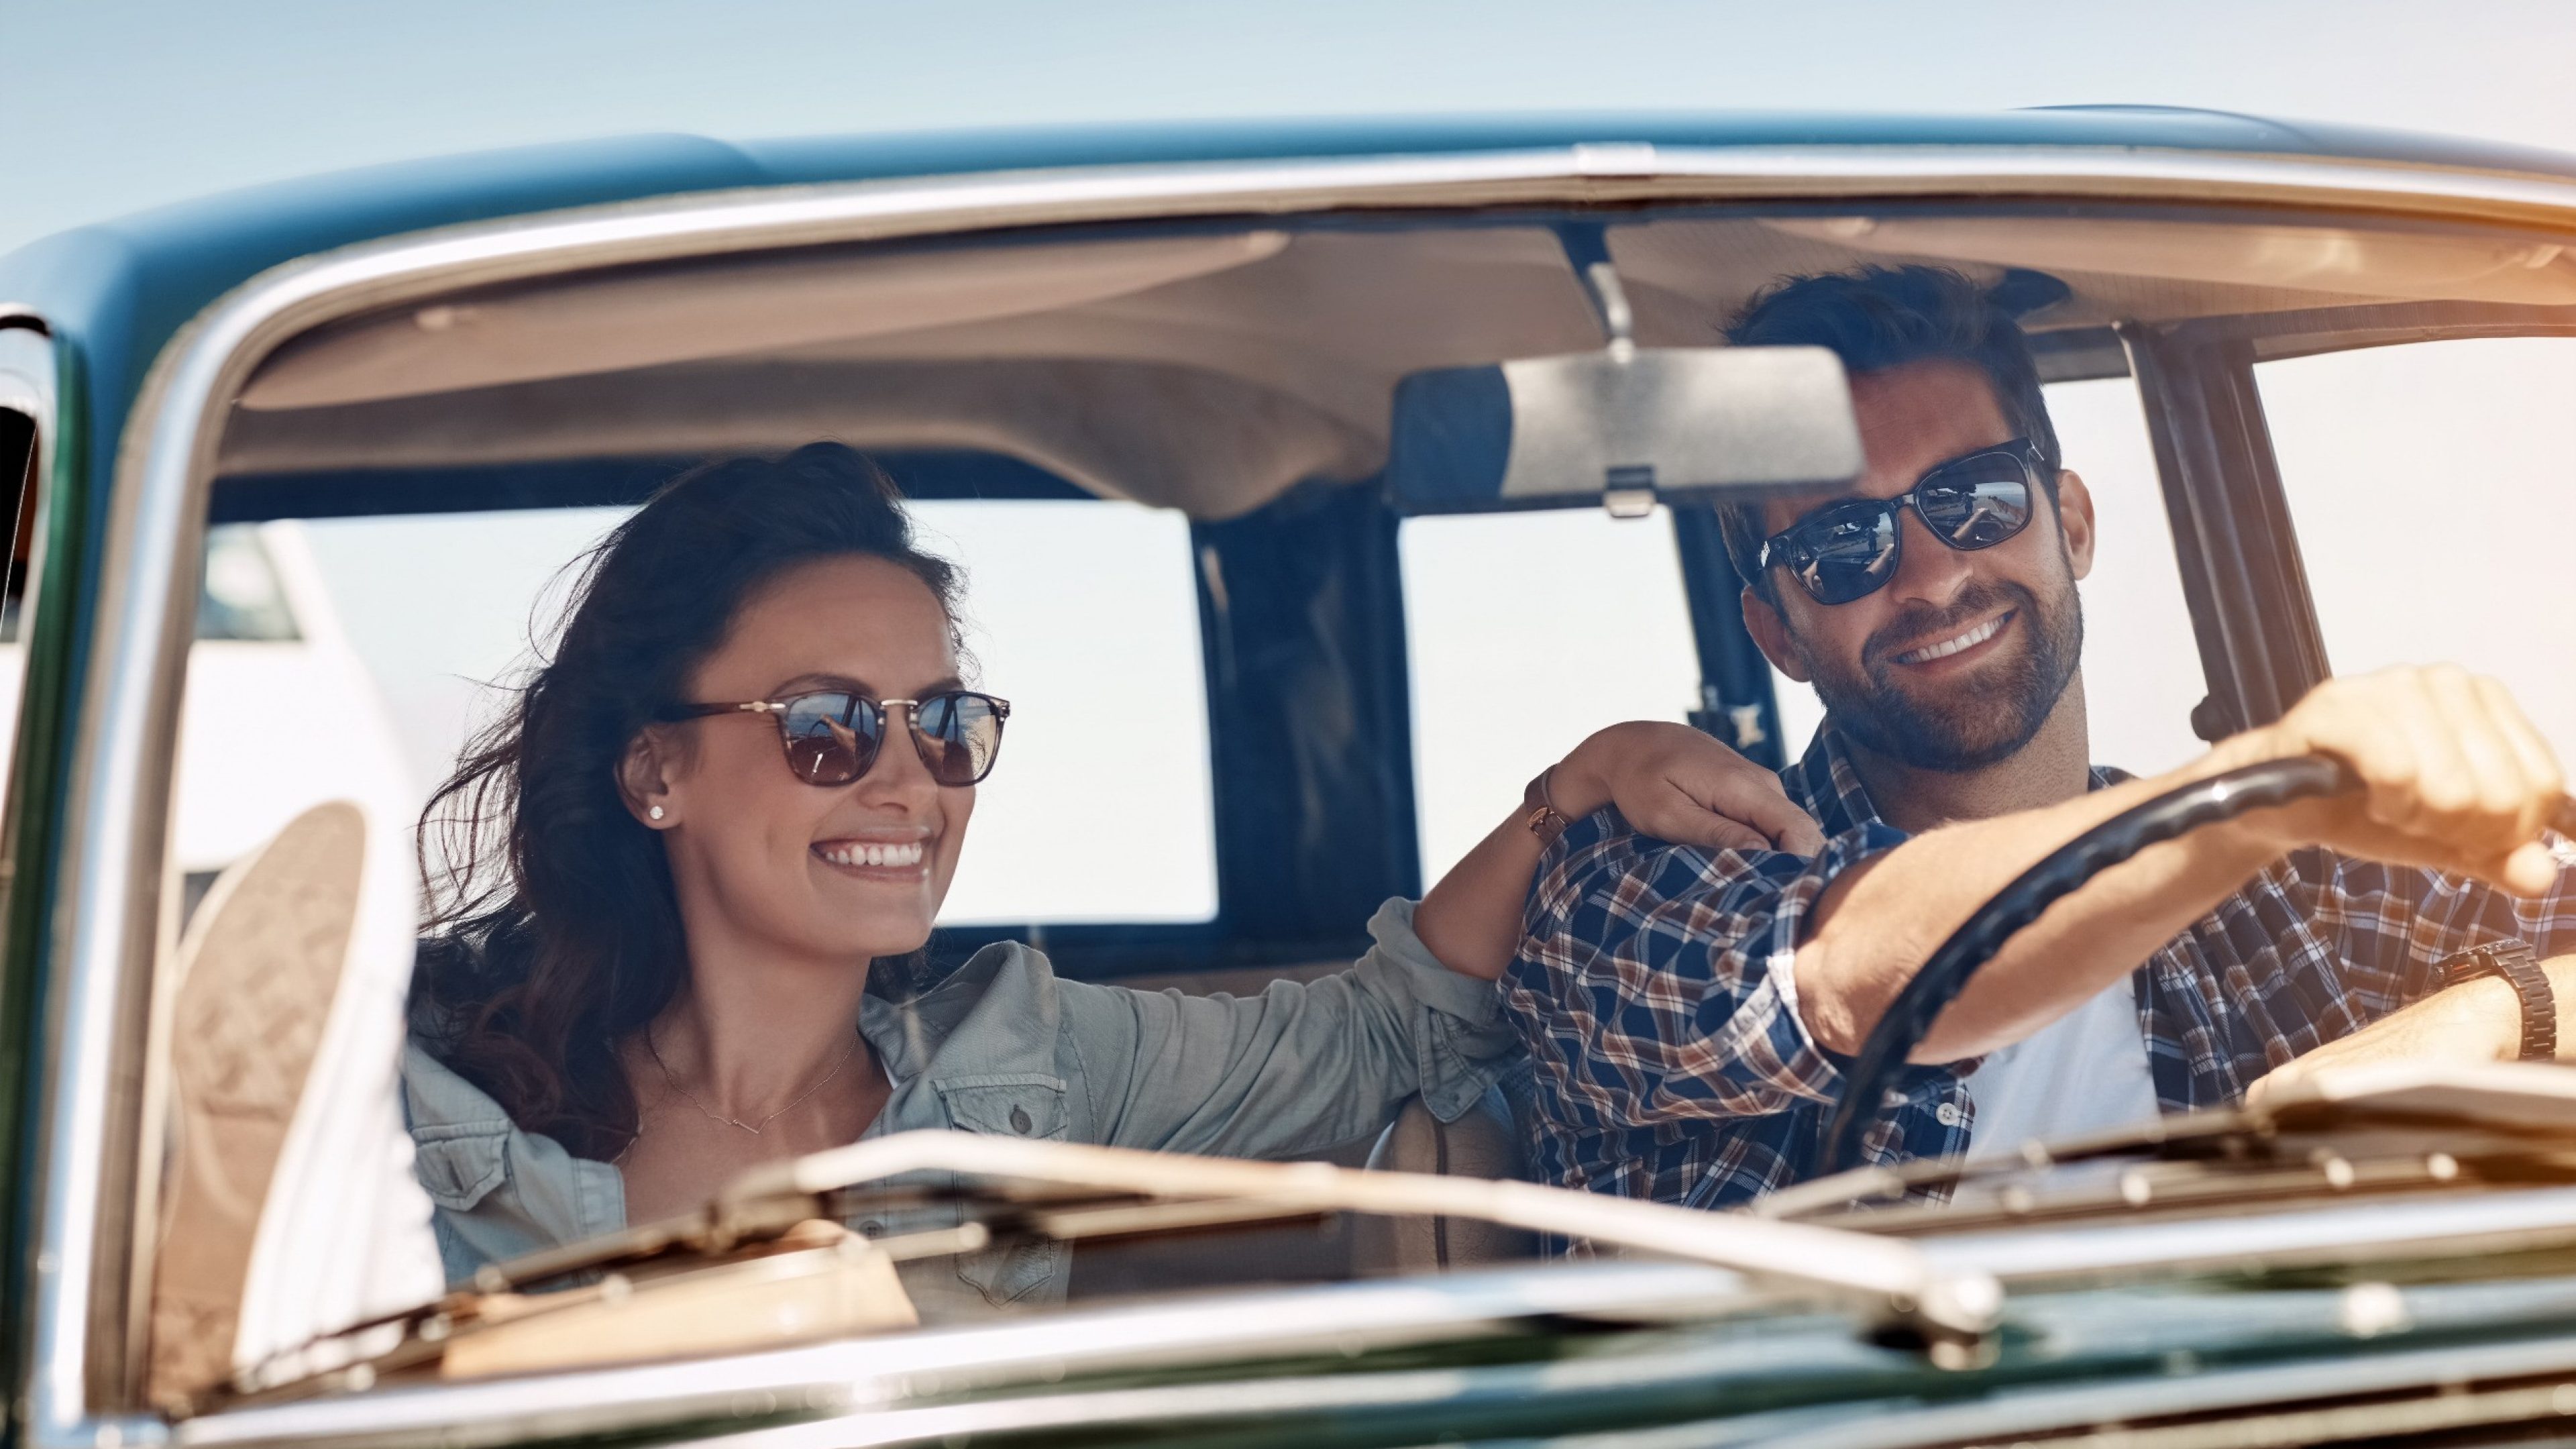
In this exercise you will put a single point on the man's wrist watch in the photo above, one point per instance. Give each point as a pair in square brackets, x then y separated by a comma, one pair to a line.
[2520, 969]
[1542, 819]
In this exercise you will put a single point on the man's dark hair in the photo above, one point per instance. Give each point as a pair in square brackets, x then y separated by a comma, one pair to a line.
[1882, 317]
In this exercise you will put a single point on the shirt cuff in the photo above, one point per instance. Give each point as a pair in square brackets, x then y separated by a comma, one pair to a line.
[1461, 1044]
[1471, 999]
[1809, 1064]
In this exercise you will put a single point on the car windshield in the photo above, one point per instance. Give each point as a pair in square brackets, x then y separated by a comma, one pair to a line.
[1340, 795]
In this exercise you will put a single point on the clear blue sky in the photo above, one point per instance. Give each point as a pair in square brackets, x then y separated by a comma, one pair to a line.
[111, 107]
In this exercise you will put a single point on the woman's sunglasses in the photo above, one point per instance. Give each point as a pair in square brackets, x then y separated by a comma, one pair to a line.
[1845, 551]
[833, 736]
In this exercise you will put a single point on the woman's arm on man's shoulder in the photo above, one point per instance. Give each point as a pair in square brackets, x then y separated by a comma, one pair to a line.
[1669, 781]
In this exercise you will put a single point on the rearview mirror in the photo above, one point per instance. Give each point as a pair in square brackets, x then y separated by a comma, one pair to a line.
[1627, 426]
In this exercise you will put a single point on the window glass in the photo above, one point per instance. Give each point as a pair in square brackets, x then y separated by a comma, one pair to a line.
[1526, 632]
[2433, 486]
[2141, 668]
[1104, 675]
[2142, 672]
[1085, 616]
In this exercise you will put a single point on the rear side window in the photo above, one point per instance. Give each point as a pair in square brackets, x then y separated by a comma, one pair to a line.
[1526, 632]
[2433, 486]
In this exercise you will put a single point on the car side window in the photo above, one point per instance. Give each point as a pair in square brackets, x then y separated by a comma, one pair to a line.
[1524, 633]
[2433, 486]
[1102, 809]
[2142, 671]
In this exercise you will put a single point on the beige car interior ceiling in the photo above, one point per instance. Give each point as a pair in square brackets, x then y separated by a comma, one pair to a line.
[1205, 372]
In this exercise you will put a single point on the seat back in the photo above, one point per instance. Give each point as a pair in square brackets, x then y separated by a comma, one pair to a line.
[1486, 1142]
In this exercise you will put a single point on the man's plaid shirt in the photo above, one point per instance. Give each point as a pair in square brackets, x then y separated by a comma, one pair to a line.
[1653, 987]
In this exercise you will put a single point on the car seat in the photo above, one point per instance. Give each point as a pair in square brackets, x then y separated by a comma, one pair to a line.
[1484, 1142]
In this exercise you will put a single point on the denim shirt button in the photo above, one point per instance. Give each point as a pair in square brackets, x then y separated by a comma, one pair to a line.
[871, 1228]
[1020, 1120]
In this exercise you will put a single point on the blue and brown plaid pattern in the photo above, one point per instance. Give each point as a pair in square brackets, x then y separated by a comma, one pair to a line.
[1653, 990]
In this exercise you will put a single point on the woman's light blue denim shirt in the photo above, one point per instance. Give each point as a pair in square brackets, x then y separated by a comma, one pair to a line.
[1003, 1046]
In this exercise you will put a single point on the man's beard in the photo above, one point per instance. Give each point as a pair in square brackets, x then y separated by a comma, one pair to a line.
[1988, 717]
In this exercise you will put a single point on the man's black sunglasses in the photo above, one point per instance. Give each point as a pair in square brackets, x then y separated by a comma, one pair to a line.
[1849, 549]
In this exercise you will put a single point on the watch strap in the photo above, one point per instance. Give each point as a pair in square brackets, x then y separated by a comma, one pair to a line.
[1539, 813]
[2514, 962]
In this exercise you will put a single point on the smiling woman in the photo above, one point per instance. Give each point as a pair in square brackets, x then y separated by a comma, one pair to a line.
[696, 862]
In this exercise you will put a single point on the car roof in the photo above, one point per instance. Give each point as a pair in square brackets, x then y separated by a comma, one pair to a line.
[122, 288]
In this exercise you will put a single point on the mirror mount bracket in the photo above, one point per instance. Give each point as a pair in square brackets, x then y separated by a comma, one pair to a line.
[1587, 251]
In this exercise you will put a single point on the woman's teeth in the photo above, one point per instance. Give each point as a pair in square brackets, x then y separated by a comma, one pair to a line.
[1948, 647]
[894, 855]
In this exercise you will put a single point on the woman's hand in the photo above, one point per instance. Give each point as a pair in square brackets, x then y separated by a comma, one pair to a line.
[1669, 780]
[1675, 783]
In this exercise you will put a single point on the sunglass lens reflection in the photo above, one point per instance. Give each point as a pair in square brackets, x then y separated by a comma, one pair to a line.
[1979, 512]
[959, 734]
[1850, 555]
[831, 738]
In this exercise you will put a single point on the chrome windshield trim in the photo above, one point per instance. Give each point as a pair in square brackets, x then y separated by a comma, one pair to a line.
[859, 1410]
[106, 921]
[27, 371]
[1899, 1422]
[2445, 1374]
[870, 1374]
[2359, 1230]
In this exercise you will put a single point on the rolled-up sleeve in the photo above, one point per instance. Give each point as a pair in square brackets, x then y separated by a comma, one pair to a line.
[1653, 982]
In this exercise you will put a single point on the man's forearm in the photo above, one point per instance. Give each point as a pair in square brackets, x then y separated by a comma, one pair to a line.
[1880, 921]
[2479, 1020]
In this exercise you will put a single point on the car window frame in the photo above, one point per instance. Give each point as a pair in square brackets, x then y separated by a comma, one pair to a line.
[2253, 613]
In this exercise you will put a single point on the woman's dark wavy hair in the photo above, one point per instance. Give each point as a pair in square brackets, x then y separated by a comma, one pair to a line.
[555, 930]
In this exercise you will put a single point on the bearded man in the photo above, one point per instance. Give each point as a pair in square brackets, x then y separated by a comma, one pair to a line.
[1691, 1011]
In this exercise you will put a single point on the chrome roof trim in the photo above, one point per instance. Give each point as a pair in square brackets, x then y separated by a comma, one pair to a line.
[106, 923]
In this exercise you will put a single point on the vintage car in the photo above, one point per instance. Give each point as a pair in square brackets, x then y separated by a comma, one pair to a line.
[1274, 425]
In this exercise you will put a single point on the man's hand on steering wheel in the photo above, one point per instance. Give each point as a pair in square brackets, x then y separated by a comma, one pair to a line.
[2451, 775]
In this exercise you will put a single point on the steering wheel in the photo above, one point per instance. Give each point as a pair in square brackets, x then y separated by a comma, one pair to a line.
[1919, 1004]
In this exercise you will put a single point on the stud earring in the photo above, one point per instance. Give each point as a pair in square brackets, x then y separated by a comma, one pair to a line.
[655, 812]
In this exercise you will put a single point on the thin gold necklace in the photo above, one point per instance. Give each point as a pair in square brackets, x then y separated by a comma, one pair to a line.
[716, 1116]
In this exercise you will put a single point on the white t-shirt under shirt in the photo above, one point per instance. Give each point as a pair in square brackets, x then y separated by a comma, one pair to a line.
[2084, 1072]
